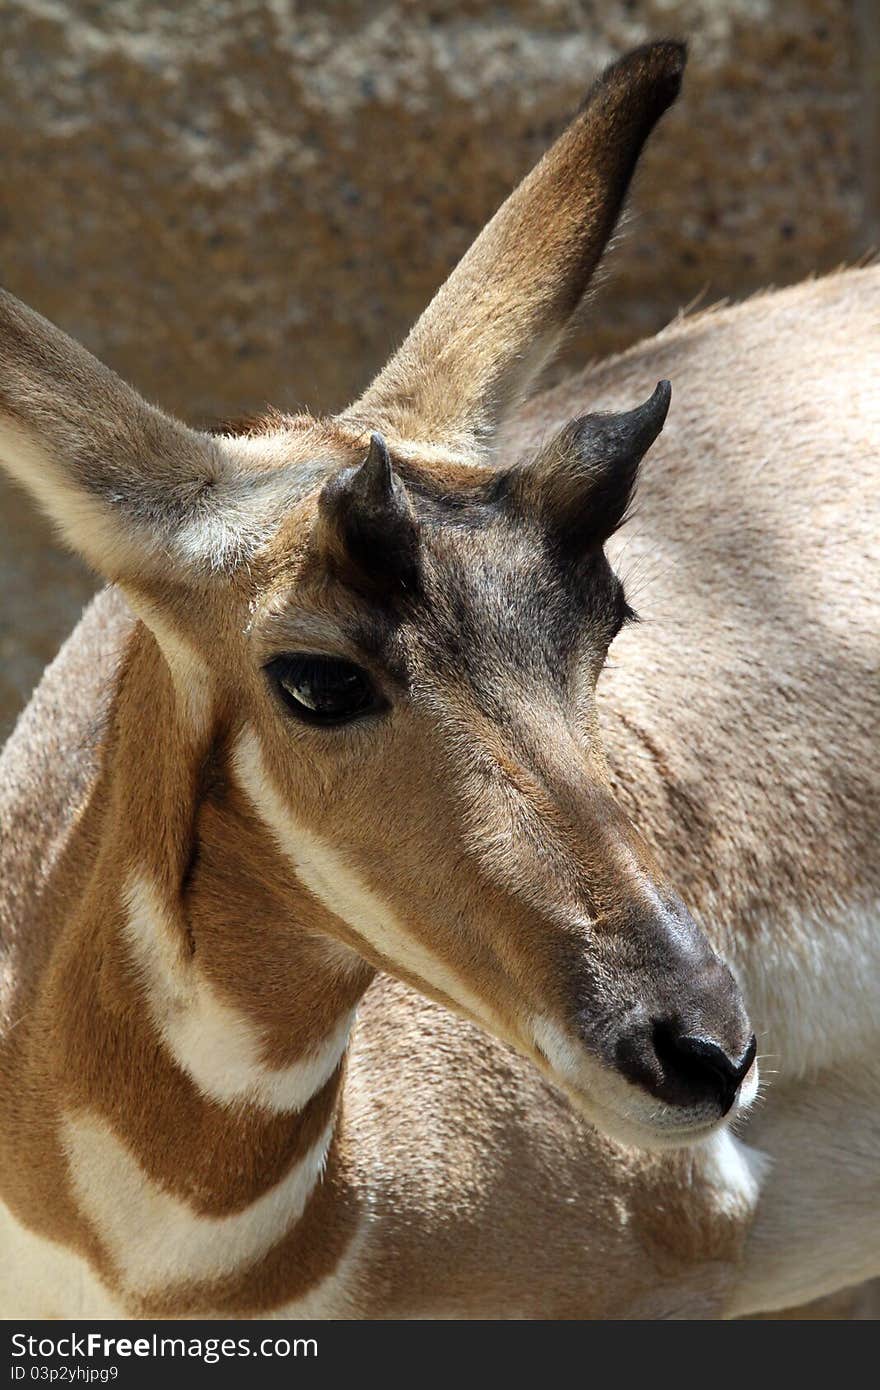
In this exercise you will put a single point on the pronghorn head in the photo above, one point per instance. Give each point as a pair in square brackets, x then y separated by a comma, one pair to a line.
[396, 634]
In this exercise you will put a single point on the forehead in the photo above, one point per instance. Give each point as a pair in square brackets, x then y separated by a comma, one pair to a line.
[495, 590]
[502, 594]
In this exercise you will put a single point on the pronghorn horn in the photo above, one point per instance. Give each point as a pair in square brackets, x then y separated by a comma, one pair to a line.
[374, 482]
[368, 525]
[584, 479]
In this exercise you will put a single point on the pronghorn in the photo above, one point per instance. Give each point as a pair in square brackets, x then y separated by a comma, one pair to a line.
[344, 967]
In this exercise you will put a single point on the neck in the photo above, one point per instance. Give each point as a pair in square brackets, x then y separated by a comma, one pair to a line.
[199, 1020]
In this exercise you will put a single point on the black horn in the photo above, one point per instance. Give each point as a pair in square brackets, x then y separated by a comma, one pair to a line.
[367, 521]
[583, 480]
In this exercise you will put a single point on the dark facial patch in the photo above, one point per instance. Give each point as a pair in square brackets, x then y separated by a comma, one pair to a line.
[491, 579]
[500, 606]
[503, 608]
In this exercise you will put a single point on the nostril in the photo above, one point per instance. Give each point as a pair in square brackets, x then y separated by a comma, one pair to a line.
[700, 1064]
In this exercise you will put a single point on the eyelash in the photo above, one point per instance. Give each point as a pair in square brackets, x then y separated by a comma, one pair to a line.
[625, 612]
[627, 615]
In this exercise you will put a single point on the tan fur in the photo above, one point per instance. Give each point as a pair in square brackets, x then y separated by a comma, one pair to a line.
[461, 844]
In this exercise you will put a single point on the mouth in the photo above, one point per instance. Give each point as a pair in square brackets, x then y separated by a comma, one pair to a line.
[624, 1111]
[659, 1126]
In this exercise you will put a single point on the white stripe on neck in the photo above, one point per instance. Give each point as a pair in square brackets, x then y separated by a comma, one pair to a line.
[156, 1240]
[211, 1041]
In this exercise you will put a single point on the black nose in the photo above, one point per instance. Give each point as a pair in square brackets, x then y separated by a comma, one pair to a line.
[685, 1036]
[682, 1067]
[699, 1068]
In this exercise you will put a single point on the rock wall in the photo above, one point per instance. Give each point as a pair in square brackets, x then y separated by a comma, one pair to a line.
[235, 200]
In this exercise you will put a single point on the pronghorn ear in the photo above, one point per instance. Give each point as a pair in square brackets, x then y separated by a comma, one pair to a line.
[581, 483]
[504, 309]
[134, 492]
[367, 528]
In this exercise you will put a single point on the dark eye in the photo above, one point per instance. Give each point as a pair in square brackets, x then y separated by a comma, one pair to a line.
[323, 689]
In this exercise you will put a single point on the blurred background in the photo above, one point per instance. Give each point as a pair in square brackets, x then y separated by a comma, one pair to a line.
[235, 202]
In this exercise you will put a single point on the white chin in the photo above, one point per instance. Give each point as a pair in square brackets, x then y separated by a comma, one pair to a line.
[629, 1116]
[635, 1133]
[668, 1129]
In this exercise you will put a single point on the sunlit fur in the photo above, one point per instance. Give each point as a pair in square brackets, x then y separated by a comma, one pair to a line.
[329, 1022]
